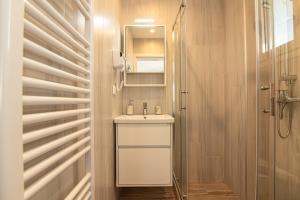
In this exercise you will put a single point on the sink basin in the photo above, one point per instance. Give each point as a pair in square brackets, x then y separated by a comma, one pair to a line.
[143, 119]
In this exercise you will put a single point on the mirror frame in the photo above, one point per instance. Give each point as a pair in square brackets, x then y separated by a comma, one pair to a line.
[164, 84]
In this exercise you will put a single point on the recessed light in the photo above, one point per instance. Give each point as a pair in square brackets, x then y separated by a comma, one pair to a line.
[152, 30]
[144, 20]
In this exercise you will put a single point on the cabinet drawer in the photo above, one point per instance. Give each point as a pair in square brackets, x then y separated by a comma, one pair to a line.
[144, 166]
[144, 134]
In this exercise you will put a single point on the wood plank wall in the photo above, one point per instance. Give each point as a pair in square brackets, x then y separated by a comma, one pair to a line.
[106, 105]
[235, 96]
[206, 80]
[222, 93]
[251, 80]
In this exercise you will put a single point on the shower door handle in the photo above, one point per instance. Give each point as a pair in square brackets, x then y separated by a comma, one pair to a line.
[271, 108]
[183, 92]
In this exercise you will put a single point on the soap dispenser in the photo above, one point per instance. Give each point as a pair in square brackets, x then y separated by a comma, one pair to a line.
[130, 108]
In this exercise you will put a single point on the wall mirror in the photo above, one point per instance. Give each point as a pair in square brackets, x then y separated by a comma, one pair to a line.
[145, 55]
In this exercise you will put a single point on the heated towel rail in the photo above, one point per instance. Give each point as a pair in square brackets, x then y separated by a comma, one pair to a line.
[57, 120]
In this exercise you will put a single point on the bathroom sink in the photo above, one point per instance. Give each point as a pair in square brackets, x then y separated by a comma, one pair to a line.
[143, 119]
[142, 140]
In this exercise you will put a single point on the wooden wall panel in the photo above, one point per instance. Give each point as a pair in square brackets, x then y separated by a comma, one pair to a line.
[106, 105]
[206, 108]
[251, 80]
[235, 96]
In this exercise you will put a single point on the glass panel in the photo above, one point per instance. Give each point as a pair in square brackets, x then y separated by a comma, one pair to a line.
[145, 59]
[265, 134]
[184, 90]
[177, 136]
[279, 136]
[283, 22]
[287, 151]
[180, 111]
[145, 43]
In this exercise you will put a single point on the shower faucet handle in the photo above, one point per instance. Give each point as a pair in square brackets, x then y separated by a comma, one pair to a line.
[271, 107]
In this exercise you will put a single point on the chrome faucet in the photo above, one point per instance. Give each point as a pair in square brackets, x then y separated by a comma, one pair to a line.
[145, 109]
[286, 98]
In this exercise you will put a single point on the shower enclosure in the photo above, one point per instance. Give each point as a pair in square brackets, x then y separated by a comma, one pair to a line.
[180, 102]
[209, 140]
[278, 136]
[210, 99]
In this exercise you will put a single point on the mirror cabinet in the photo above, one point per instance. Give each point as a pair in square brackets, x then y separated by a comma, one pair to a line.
[145, 56]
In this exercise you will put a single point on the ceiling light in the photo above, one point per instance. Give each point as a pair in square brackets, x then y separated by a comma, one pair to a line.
[144, 20]
[152, 30]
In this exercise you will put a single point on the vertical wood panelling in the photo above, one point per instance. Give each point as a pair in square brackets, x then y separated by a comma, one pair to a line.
[251, 74]
[235, 96]
[206, 108]
[106, 105]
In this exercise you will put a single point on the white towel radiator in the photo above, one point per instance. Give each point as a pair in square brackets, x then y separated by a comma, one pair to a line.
[45, 84]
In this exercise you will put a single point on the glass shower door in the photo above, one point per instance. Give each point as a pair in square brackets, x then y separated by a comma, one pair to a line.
[278, 152]
[265, 111]
[287, 66]
[180, 103]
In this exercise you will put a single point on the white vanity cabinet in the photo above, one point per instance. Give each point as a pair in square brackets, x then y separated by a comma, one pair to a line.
[144, 151]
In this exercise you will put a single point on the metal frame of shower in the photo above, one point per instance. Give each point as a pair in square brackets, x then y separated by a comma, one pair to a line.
[180, 194]
[13, 156]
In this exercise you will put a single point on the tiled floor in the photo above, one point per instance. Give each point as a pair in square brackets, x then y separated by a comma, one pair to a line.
[215, 191]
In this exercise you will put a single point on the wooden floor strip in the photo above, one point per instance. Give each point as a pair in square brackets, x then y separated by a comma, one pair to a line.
[198, 191]
[162, 193]
[211, 191]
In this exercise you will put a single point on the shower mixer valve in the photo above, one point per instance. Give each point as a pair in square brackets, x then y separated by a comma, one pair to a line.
[285, 91]
[285, 98]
